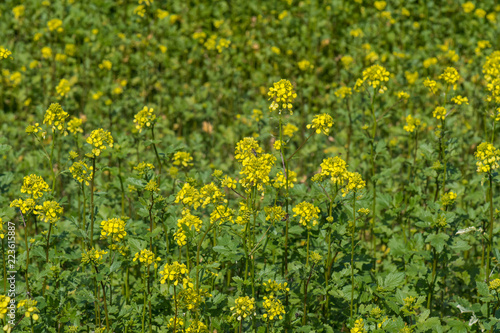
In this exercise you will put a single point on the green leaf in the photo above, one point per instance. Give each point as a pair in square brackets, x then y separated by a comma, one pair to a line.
[438, 241]
[393, 280]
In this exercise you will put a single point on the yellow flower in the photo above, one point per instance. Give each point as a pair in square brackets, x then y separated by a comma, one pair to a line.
[4, 303]
[481, 13]
[283, 94]
[183, 158]
[448, 199]
[140, 10]
[161, 14]
[114, 229]
[46, 52]
[431, 84]
[495, 285]
[305, 65]
[308, 214]
[347, 61]
[430, 61]
[189, 196]
[439, 113]
[322, 123]
[359, 326]
[4, 53]
[411, 124]
[289, 130]
[29, 305]
[403, 95]
[174, 272]
[63, 87]
[34, 186]
[459, 100]
[75, 125]
[354, 183]
[50, 211]
[18, 11]
[274, 308]
[343, 92]
[487, 157]
[98, 139]
[243, 307]
[380, 5]
[106, 64]
[81, 172]
[375, 76]
[55, 24]
[468, 7]
[93, 256]
[450, 75]
[411, 77]
[147, 257]
[280, 180]
[26, 206]
[275, 50]
[144, 118]
[356, 33]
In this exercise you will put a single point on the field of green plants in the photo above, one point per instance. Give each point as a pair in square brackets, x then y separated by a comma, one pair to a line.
[249, 166]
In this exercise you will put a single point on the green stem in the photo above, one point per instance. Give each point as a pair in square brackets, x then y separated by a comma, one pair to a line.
[46, 259]
[92, 182]
[352, 252]
[157, 156]
[490, 233]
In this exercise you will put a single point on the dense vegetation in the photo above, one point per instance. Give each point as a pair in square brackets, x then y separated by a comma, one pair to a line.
[241, 166]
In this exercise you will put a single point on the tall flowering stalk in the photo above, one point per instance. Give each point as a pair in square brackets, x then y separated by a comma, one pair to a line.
[373, 82]
[487, 157]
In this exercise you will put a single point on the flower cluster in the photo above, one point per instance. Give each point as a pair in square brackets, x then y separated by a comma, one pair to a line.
[55, 116]
[274, 308]
[75, 125]
[211, 194]
[81, 172]
[273, 287]
[448, 199]
[34, 186]
[30, 309]
[4, 303]
[359, 326]
[197, 327]
[174, 272]
[144, 118]
[411, 124]
[188, 221]
[274, 214]
[189, 196]
[55, 24]
[322, 123]
[308, 214]
[431, 84]
[459, 100]
[4, 53]
[243, 307]
[494, 285]
[439, 112]
[487, 157]
[375, 76]
[147, 257]
[280, 179]
[183, 158]
[343, 92]
[450, 75]
[335, 168]
[354, 183]
[25, 206]
[63, 87]
[143, 167]
[98, 139]
[114, 229]
[49, 211]
[222, 214]
[283, 94]
[93, 256]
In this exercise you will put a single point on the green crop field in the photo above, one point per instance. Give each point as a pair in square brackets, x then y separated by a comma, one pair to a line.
[249, 166]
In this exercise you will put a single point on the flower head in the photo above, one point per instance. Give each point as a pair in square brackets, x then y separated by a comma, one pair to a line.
[93, 256]
[243, 307]
[308, 214]
[144, 118]
[55, 116]
[99, 138]
[322, 123]
[450, 75]
[274, 308]
[49, 211]
[29, 305]
[63, 87]
[354, 183]
[147, 257]
[183, 158]
[439, 113]
[174, 272]
[283, 94]
[411, 124]
[487, 157]
[34, 186]
[81, 172]
[113, 229]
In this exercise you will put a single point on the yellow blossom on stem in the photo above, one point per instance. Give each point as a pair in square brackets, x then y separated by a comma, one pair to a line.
[354, 183]
[174, 272]
[183, 158]
[243, 307]
[283, 94]
[34, 186]
[459, 100]
[308, 214]
[439, 112]
[147, 257]
[487, 157]
[322, 123]
[81, 172]
[26, 206]
[274, 308]
[144, 118]
[98, 139]
[49, 211]
[55, 116]
[113, 229]
[450, 75]
[411, 124]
